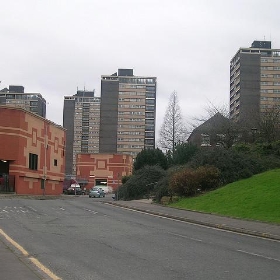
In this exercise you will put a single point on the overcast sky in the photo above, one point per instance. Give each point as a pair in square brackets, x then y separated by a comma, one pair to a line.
[53, 47]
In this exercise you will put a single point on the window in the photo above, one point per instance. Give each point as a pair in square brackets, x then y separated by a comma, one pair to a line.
[149, 134]
[150, 94]
[33, 161]
[149, 115]
[150, 108]
[149, 142]
[150, 101]
[55, 162]
[205, 140]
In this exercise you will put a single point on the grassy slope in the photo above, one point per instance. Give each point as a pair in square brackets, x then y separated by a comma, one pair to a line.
[256, 198]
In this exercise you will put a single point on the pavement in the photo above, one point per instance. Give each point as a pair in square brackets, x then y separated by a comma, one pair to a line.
[14, 266]
[254, 228]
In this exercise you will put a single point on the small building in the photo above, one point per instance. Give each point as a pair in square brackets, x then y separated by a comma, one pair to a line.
[103, 169]
[211, 133]
[32, 152]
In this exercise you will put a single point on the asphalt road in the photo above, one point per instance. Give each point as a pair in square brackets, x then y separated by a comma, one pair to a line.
[82, 238]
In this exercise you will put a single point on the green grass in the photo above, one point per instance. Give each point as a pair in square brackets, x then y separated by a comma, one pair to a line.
[255, 198]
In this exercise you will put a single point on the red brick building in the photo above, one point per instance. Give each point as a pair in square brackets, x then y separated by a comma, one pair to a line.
[103, 169]
[31, 151]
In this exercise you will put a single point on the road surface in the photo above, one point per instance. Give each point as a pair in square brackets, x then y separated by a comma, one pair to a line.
[86, 239]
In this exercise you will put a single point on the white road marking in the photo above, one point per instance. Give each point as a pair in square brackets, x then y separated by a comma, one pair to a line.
[32, 259]
[89, 210]
[258, 255]
[187, 237]
[192, 223]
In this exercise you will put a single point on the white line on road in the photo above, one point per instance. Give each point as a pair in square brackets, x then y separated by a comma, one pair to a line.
[187, 237]
[192, 223]
[32, 259]
[258, 255]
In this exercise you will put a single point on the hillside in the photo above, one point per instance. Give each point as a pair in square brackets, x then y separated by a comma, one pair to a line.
[255, 198]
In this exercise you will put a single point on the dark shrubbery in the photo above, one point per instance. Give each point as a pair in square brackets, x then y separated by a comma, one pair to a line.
[150, 157]
[188, 181]
[161, 189]
[142, 183]
[183, 153]
[232, 164]
[208, 177]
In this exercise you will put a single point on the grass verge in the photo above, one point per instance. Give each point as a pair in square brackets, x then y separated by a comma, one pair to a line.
[255, 198]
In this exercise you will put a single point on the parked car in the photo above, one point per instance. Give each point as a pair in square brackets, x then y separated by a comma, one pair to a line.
[96, 192]
[74, 189]
[102, 192]
[103, 188]
[67, 183]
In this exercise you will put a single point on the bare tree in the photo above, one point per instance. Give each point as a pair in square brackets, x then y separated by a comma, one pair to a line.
[173, 130]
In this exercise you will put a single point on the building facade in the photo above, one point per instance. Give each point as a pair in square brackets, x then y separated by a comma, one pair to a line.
[254, 82]
[127, 113]
[15, 96]
[32, 152]
[81, 118]
[104, 169]
[120, 121]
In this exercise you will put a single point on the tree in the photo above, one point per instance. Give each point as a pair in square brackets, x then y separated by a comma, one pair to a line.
[172, 130]
[183, 153]
[141, 183]
[269, 125]
[150, 157]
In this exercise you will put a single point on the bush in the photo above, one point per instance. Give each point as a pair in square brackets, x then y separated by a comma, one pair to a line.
[161, 189]
[141, 183]
[232, 164]
[184, 182]
[188, 182]
[208, 177]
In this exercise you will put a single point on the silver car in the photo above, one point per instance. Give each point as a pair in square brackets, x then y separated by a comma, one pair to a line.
[96, 192]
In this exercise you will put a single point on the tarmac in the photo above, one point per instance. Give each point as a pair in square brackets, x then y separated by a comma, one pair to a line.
[16, 267]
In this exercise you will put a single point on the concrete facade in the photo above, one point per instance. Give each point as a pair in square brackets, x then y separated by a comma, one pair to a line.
[121, 121]
[254, 82]
[15, 96]
[128, 113]
[32, 150]
[81, 118]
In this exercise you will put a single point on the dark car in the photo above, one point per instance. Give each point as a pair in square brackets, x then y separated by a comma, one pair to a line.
[74, 189]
